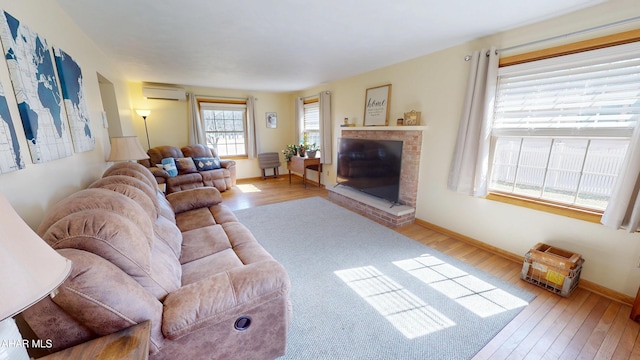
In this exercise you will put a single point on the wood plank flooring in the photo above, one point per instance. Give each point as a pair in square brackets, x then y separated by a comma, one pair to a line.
[583, 326]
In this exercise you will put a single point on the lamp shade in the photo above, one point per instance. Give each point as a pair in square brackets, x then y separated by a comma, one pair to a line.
[125, 148]
[29, 268]
[143, 113]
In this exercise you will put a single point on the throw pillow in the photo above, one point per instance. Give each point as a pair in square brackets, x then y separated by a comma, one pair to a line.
[186, 166]
[207, 163]
[169, 165]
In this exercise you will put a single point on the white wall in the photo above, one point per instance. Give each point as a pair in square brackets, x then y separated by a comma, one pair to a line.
[434, 84]
[168, 122]
[34, 189]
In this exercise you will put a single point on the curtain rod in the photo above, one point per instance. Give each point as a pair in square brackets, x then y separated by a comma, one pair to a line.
[579, 32]
[222, 97]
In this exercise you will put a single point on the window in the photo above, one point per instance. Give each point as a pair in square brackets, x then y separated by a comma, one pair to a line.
[562, 126]
[311, 122]
[225, 127]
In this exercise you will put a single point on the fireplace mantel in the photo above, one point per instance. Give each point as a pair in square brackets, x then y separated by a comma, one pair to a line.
[384, 128]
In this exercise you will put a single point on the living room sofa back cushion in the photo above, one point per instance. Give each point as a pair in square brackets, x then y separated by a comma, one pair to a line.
[156, 154]
[199, 150]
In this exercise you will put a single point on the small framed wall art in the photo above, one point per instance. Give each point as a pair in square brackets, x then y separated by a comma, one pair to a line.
[376, 105]
[272, 120]
[412, 118]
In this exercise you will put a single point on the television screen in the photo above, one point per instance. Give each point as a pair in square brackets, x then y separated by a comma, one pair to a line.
[371, 166]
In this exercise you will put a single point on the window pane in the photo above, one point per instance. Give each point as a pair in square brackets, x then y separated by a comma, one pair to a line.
[564, 170]
[601, 168]
[505, 164]
[532, 167]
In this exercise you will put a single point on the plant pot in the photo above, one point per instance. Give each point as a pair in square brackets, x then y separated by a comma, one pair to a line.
[312, 154]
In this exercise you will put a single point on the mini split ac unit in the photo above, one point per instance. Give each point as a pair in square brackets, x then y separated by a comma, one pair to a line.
[163, 93]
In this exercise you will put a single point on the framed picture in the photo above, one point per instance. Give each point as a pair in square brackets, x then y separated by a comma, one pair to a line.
[412, 118]
[272, 120]
[376, 105]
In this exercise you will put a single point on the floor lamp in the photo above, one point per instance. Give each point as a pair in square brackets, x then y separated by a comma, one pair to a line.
[30, 270]
[144, 114]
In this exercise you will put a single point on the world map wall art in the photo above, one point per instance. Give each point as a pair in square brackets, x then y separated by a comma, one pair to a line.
[10, 154]
[75, 103]
[34, 83]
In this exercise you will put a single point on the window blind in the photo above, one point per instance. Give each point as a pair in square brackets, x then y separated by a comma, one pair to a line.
[312, 117]
[591, 94]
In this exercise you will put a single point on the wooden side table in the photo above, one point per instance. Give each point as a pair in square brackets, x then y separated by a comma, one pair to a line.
[300, 165]
[130, 343]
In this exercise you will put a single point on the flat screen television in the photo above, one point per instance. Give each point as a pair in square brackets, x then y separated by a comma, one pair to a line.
[371, 166]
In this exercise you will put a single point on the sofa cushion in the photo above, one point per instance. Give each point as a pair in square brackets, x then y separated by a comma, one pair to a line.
[96, 199]
[207, 163]
[115, 230]
[193, 199]
[202, 242]
[169, 165]
[198, 150]
[127, 180]
[156, 154]
[186, 165]
[107, 309]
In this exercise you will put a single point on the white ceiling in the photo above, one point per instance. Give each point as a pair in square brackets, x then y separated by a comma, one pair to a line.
[288, 45]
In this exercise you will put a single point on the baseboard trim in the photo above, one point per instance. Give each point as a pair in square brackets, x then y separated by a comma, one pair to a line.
[585, 284]
[283, 177]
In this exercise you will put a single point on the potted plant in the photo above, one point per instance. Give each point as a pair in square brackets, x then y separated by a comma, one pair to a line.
[301, 150]
[312, 150]
[289, 151]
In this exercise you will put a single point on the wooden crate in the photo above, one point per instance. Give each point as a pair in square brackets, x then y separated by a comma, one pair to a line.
[563, 260]
[548, 276]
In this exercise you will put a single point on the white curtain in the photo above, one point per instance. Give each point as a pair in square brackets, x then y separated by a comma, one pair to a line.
[623, 209]
[326, 134]
[252, 145]
[470, 163]
[299, 118]
[196, 127]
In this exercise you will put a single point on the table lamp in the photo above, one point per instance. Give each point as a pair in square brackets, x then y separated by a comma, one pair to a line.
[126, 148]
[29, 270]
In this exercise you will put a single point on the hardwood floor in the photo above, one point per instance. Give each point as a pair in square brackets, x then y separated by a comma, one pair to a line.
[583, 326]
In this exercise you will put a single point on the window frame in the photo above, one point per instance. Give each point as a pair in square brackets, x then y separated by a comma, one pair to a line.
[226, 104]
[571, 211]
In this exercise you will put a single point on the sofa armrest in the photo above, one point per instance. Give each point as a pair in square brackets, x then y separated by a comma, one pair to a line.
[159, 173]
[192, 199]
[222, 297]
[225, 164]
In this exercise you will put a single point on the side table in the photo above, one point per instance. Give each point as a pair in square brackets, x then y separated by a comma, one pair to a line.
[301, 164]
[130, 343]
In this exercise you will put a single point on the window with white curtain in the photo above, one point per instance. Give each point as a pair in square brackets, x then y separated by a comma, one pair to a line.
[562, 126]
[311, 121]
[225, 125]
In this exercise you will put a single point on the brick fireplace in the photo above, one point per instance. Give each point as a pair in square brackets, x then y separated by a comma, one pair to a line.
[374, 208]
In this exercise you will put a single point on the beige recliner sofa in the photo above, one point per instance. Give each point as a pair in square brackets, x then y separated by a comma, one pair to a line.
[222, 179]
[184, 262]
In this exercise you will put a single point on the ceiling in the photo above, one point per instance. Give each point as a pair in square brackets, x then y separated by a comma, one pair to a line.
[288, 45]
